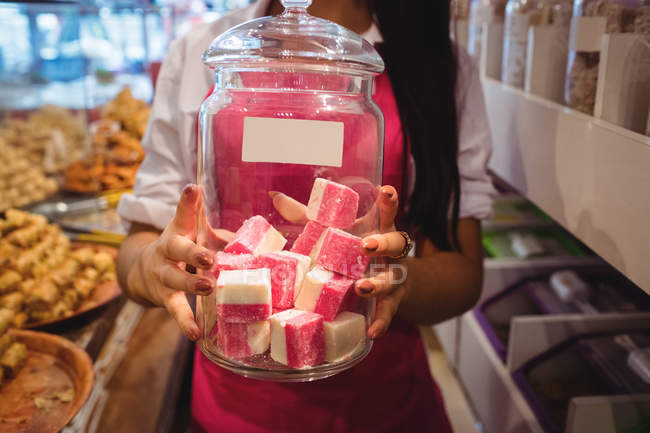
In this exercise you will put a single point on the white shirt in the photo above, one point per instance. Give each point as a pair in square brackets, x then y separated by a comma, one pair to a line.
[184, 81]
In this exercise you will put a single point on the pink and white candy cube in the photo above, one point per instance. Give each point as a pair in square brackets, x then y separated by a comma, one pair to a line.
[340, 252]
[343, 335]
[229, 262]
[323, 292]
[287, 273]
[256, 236]
[297, 338]
[307, 241]
[244, 295]
[241, 340]
[332, 204]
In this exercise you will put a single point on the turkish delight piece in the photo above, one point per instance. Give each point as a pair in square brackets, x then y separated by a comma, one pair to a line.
[341, 252]
[343, 335]
[323, 292]
[287, 273]
[297, 338]
[256, 236]
[307, 241]
[332, 204]
[229, 262]
[352, 302]
[244, 295]
[241, 340]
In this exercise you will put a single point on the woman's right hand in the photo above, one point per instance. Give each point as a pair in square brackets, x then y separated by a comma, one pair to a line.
[159, 273]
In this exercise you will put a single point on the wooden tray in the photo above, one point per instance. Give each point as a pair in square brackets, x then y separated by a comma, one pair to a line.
[54, 365]
[99, 297]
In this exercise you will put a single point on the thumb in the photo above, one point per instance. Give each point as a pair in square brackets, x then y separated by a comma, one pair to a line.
[388, 207]
[184, 222]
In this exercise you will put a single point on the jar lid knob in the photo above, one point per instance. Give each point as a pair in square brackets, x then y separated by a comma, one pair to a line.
[296, 3]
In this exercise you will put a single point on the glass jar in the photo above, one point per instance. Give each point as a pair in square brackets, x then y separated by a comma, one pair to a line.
[483, 12]
[593, 18]
[290, 158]
[520, 16]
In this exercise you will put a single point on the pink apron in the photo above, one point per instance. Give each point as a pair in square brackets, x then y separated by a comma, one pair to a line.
[389, 391]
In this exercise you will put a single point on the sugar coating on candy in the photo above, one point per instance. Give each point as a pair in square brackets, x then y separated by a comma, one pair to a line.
[323, 292]
[287, 273]
[343, 335]
[341, 252]
[307, 241]
[256, 236]
[352, 302]
[228, 262]
[297, 338]
[244, 295]
[332, 204]
[241, 340]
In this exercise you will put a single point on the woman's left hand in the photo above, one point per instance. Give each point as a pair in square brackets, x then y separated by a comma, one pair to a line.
[387, 285]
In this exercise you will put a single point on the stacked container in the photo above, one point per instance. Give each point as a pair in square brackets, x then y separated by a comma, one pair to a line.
[483, 12]
[593, 19]
[521, 15]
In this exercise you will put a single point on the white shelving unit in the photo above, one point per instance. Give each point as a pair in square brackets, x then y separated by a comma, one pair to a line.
[589, 175]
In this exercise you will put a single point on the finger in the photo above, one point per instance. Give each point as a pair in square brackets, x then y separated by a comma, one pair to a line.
[388, 244]
[184, 221]
[366, 223]
[177, 305]
[381, 284]
[219, 238]
[386, 310]
[290, 209]
[175, 278]
[388, 207]
[180, 249]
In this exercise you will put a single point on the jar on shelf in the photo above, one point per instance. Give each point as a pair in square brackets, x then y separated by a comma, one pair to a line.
[459, 21]
[290, 159]
[593, 19]
[521, 15]
[483, 12]
[459, 9]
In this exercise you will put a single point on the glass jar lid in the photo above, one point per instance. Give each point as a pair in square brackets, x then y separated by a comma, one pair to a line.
[293, 38]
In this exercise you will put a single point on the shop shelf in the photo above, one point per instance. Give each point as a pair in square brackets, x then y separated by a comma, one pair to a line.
[587, 174]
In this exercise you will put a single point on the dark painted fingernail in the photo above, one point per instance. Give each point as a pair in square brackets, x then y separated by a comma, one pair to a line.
[370, 244]
[204, 259]
[387, 193]
[190, 190]
[272, 194]
[203, 285]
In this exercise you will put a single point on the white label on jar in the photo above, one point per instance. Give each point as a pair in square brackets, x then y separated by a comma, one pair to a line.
[292, 141]
[587, 33]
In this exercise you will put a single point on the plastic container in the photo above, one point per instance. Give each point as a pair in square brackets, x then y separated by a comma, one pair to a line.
[584, 366]
[483, 12]
[520, 16]
[516, 210]
[593, 19]
[608, 293]
[292, 104]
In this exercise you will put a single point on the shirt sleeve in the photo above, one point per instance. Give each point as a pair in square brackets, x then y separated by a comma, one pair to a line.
[163, 173]
[474, 143]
